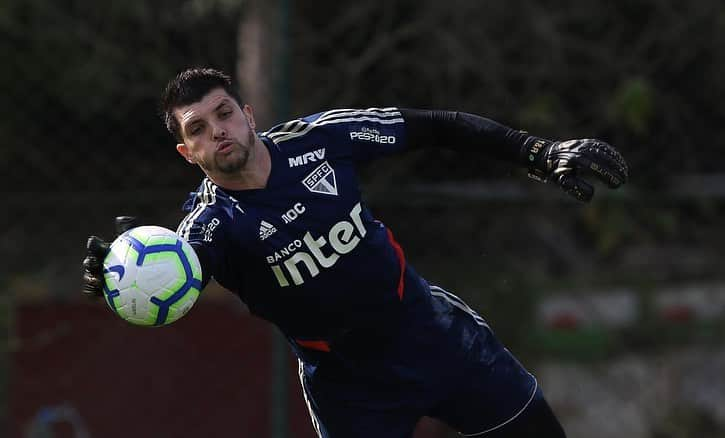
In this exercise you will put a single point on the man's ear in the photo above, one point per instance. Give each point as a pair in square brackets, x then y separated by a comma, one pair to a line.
[184, 151]
[249, 113]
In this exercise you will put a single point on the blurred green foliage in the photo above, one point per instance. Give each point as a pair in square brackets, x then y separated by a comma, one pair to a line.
[644, 74]
[633, 105]
[82, 78]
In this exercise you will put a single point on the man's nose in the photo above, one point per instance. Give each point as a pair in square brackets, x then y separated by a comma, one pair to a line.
[219, 131]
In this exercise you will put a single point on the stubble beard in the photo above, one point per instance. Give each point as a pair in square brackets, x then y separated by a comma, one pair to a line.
[237, 160]
[233, 162]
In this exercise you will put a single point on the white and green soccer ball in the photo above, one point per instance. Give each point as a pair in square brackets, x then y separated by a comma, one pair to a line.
[152, 276]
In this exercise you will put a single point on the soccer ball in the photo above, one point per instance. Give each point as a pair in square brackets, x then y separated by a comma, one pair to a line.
[152, 276]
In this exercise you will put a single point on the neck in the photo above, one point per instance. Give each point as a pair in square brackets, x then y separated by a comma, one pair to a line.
[253, 176]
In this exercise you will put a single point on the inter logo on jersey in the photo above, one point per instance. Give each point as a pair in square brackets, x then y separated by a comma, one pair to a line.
[343, 238]
[322, 180]
[265, 230]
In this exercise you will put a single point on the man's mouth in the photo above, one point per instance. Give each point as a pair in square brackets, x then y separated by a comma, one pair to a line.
[224, 146]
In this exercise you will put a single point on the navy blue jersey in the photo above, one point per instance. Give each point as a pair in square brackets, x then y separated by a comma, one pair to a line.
[305, 252]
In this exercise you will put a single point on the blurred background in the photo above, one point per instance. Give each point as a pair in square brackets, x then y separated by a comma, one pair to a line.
[618, 306]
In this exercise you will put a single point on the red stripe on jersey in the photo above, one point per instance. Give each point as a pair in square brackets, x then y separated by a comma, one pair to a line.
[315, 345]
[401, 262]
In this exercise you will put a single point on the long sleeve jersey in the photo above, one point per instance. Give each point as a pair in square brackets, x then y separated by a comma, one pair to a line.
[305, 252]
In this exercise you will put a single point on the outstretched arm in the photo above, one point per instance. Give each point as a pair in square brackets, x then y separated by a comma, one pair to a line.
[561, 162]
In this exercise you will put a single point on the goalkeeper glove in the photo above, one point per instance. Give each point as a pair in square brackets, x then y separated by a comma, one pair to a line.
[564, 162]
[96, 251]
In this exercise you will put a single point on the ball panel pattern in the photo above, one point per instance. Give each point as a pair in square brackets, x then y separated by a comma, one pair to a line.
[152, 276]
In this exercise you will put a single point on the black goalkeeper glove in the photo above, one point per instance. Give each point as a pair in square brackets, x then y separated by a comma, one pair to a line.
[96, 251]
[565, 162]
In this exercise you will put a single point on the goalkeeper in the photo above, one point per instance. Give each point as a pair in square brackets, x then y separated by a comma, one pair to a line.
[279, 221]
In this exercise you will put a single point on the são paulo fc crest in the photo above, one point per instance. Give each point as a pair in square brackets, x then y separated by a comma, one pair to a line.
[322, 180]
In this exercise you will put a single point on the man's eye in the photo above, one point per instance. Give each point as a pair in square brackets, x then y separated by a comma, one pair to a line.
[225, 114]
[195, 130]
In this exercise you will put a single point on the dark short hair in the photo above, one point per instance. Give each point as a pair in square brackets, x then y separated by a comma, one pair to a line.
[190, 86]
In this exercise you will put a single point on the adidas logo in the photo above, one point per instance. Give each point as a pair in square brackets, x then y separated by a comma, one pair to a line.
[265, 230]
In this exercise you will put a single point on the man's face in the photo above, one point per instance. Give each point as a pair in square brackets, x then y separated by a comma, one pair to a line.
[218, 135]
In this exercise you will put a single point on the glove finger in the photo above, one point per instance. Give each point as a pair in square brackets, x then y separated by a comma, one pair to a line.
[601, 169]
[92, 265]
[91, 291]
[92, 283]
[575, 186]
[615, 171]
[97, 247]
[92, 288]
[93, 280]
[125, 223]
